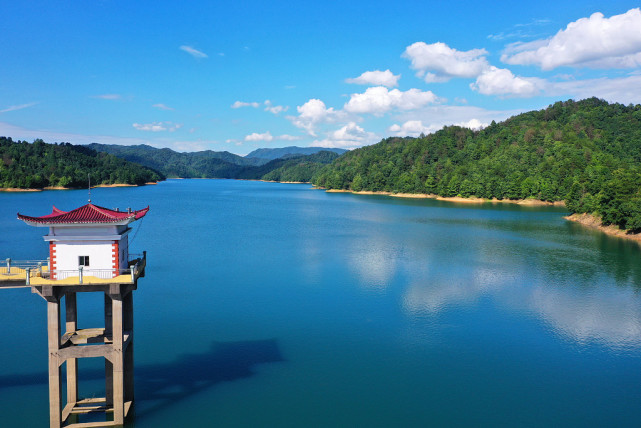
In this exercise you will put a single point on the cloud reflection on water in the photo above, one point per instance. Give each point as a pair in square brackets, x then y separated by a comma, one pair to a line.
[374, 263]
[603, 314]
[611, 316]
[434, 297]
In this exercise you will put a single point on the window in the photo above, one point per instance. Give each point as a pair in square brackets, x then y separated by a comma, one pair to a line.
[83, 260]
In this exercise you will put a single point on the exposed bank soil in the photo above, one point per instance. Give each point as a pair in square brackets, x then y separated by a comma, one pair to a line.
[587, 220]
[283, 182]
[15, 189]
[532, 202]
[594, 222]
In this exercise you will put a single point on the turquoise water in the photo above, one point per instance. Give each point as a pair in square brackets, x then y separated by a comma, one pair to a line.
[271, 304]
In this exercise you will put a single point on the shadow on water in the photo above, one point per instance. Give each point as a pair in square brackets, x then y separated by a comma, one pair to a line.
[192, 373]
[169, 383]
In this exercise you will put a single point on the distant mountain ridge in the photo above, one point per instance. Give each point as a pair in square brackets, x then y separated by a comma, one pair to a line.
[290, 151]
[212, 164]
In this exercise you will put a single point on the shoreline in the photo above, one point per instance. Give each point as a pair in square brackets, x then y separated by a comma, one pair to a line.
[237, 179]
[458, 199]
[594, 222]
[115, 185]
[586, 220]
[17, 189]
[282, 182]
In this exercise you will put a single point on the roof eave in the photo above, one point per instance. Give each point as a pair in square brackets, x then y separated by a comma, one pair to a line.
[122, 222]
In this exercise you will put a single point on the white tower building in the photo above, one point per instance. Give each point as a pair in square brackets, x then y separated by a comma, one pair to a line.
[90, 239]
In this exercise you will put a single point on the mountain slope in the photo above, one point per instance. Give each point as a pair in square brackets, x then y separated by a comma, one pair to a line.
[207, 163]
[299, 168]
[210, 164]
[38, 165]
[587, 153]
[271, 154]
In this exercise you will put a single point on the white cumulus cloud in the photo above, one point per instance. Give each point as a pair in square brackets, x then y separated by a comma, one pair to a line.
[437, 62]
[378, 100]
[311, 114]
[267, 136]
[376, 78]
[596, 41]
[473, 124]
[274, 109]
[412, 128]
[193, 52]
[157, 126]
[349, 136]
[624, 90]
[240, 104]
[502, 82]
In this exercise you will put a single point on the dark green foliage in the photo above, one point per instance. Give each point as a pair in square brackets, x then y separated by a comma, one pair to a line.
[210, 164]
[300, 168]
[204, 164]
[24, 165]
[292, 151]
[587, 153]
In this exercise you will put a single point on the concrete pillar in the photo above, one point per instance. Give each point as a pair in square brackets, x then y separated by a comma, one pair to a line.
[109, 370]
[55, 384]
[71, 317]
[118, 357]
[108, 317]
[128, 324]
[117, 350]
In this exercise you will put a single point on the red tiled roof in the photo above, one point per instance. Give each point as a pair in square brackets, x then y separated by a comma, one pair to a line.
[89, 213]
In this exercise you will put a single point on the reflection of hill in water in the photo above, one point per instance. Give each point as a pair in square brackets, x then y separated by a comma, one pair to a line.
[583, 284]
[570, 251]
[571, 296]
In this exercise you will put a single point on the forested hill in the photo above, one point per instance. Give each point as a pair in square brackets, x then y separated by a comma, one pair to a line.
[37, 165]
[211, 164]
[587, 153]
[299, 168]
[291, 151]
[207, 163]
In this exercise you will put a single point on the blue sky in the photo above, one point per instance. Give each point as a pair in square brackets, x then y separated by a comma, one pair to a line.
[238, 76]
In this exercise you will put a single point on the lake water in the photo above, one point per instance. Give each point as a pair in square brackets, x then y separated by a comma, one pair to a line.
[270, 304]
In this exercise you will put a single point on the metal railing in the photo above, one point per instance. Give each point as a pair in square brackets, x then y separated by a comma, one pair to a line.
[82, 272]
[12, 267]
[28, 269]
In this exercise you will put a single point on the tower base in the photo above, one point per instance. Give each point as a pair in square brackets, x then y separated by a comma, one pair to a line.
[114, 343]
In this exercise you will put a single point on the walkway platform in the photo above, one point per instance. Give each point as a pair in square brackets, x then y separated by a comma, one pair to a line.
[17, 276]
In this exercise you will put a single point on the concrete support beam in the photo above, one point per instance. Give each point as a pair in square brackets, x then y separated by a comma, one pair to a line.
[128, 325]
[118, 357]
[55, 385]
[109, 370]
[114, 343]
[71, 312]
